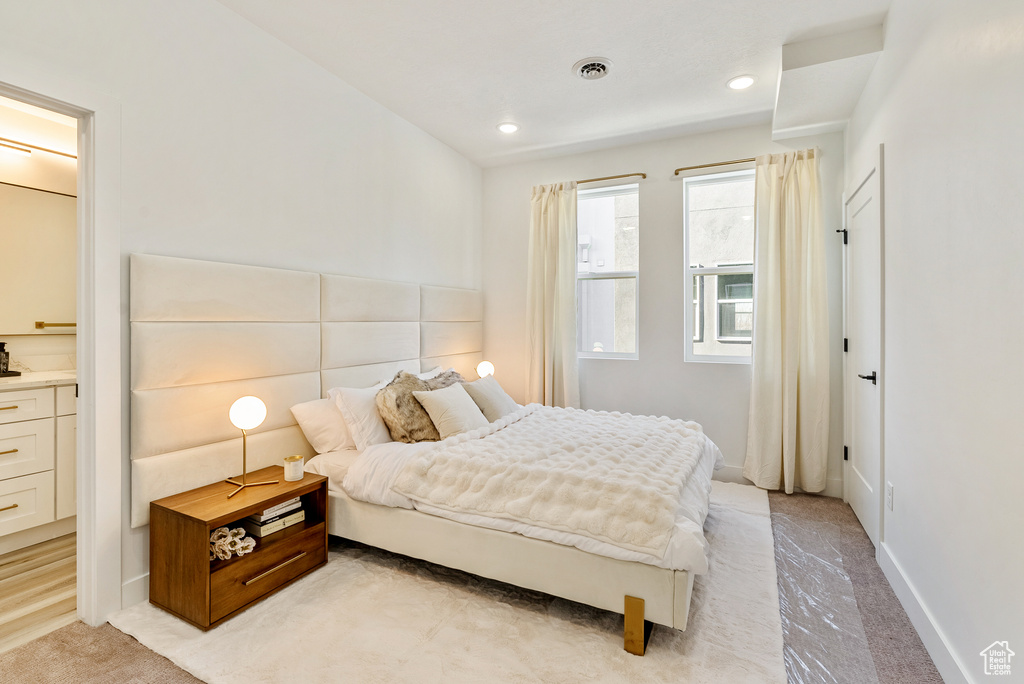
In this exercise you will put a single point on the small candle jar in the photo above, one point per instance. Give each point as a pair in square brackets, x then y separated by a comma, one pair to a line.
[293, 468]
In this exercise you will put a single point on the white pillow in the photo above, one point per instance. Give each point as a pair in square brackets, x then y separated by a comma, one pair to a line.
[359, 407]
[323, 425]
[491, 398]
[452, 410]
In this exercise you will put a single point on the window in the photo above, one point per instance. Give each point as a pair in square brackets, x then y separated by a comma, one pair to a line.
[718, 224]
[607, 269]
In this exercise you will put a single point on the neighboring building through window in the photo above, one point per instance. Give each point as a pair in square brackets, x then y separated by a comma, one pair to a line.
[718, 246]
[607, 269]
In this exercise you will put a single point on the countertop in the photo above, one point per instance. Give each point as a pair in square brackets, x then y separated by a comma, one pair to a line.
[31, 380]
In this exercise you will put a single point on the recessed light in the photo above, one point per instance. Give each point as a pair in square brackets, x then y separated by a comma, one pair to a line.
[508, 127]
[741, 82]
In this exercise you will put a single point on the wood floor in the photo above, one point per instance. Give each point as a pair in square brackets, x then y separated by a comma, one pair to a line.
[37, 591]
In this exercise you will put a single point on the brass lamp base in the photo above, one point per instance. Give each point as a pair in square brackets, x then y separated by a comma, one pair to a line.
[243, 485]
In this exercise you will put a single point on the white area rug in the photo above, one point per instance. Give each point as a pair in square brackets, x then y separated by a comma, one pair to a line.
[371, 616]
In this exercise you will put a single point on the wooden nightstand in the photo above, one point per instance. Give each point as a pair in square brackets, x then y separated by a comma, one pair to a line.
[185, 582]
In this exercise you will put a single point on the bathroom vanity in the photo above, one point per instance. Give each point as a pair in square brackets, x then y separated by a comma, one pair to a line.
[37, 457]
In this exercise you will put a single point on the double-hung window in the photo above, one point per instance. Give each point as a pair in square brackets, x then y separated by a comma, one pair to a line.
[607, 271]
[718, 246]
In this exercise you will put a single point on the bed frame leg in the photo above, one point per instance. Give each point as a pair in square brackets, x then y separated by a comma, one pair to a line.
[636, 631]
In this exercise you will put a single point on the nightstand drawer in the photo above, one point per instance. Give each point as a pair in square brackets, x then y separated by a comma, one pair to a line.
[26, 405]
[252, 577]
[26, 448]
[26, 502]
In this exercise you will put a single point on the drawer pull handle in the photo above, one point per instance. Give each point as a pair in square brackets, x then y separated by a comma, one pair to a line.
[7, 508]
[8, 408]
[9, 451]
[257, 578]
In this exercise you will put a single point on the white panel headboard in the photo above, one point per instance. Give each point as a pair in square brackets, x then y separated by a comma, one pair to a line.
[206, 333]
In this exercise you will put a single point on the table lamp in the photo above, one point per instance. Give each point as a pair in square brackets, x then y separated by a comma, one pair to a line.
[485, 368]
[247, 413]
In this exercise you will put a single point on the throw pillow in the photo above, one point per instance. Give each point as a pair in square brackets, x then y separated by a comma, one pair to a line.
[491, 398]
[452, 410]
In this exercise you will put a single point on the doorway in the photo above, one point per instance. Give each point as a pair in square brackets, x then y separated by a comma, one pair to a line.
[864, 376]
[99, 358]
[38, 388]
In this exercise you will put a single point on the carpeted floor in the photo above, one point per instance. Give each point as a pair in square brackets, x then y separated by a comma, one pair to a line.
[892, 644]
[78, 653]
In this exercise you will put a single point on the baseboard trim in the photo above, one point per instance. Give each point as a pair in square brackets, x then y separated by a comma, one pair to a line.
[37, 535]
[731, 473]
[935, 642]
[135, 591]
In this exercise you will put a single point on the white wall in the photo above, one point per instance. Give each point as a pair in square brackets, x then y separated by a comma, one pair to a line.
[236, 148]
[946, 100]
[715, 395]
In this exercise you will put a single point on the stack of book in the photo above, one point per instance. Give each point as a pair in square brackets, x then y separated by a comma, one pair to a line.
[275, 518]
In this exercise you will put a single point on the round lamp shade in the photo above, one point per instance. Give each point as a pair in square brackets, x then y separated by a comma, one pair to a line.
[248, 413]
[485, 368]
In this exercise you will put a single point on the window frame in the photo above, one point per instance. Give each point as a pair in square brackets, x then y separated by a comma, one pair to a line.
[689, 356]
[609, 275]
[610, 190]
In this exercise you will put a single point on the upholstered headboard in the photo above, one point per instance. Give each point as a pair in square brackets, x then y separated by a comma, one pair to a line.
[205, 333]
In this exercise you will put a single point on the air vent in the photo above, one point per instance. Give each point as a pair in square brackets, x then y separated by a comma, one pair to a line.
[592, 68]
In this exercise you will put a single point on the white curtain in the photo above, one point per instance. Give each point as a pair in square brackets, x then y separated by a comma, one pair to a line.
[553, 369]
[787, 430]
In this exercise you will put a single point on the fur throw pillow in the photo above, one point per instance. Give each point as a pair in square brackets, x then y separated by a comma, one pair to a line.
[406, 419]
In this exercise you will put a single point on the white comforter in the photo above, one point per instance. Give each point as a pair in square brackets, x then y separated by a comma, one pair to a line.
[680, 542]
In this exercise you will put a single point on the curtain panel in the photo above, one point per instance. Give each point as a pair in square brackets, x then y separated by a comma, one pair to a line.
[552, 365]
[788, 424]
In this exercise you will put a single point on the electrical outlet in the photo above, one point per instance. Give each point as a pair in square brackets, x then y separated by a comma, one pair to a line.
[888, 495]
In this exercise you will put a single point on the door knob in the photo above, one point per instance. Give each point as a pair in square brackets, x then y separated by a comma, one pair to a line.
[873, 377]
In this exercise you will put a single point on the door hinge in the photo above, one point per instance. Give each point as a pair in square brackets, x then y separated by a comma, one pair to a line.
[845, 233]
[846, 344]
[846, 453]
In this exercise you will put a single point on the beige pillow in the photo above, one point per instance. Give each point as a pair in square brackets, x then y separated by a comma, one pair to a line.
[452, 410]
[323, 425]
[404, 417]
[491, 398]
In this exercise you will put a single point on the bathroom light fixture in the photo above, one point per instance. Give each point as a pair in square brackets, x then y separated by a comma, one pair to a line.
[485, 368]
[741, 82]
[17, 150]
[247, 413]
[508, 127]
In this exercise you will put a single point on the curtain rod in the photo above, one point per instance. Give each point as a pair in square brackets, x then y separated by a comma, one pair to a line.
[708, 166]
[722, 163]
[36, 147]
[624, 175]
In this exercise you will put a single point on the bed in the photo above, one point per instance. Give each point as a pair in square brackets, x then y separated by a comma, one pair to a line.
[205, 333]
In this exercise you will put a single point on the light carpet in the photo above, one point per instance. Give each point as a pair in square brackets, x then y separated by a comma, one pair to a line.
[372, 616]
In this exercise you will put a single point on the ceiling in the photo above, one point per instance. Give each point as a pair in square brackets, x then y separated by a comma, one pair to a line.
[458, 68]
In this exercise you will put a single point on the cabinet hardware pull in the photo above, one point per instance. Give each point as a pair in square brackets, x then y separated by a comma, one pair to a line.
[7, 508]
[9, 451]
[257, 578]
[43, 324]
[8, 408]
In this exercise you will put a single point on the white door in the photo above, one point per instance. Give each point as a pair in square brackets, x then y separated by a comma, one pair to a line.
[863, 376]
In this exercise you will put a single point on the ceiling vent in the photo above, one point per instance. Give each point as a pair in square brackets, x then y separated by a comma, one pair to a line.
[592, 68]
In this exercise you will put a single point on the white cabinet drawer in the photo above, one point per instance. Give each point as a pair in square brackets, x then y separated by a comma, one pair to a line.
[26, 448]
[26, 405]
[26, 502]
[67, 402]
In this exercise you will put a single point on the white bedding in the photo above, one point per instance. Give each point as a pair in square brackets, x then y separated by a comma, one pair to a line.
[370, 476]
